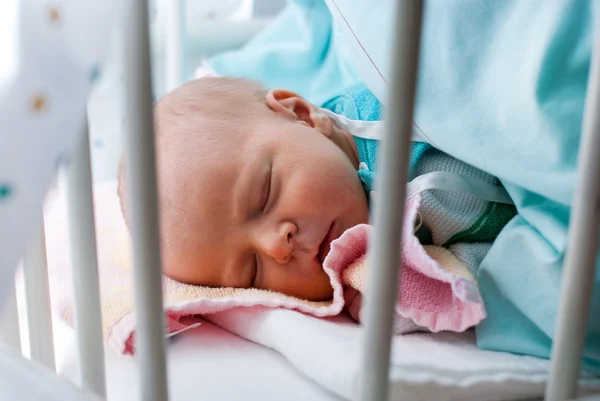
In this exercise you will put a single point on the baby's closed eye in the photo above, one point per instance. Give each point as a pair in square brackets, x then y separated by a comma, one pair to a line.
[266, 192]
[254, 271]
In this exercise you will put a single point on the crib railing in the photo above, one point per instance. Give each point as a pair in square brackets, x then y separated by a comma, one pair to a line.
[380, 298]
[143, 218]
[580, 258]
[150, 340]
[85, 268]
[37, 292]
[10, 333]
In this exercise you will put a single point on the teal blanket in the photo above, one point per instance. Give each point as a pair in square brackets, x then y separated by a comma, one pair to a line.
[301, 50]
[502, 86]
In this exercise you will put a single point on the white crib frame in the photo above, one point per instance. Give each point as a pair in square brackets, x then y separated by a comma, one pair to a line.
[578, 273]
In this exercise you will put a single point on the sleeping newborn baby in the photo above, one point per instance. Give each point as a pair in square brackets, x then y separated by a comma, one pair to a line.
[254, 185]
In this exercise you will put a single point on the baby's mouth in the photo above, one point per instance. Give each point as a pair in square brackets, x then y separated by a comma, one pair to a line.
[326, 243]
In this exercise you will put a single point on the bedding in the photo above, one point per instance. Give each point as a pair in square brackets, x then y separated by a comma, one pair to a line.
[278, 354]
[502, 87]
[300, 50]
[209, 363]
[204, 363]
[439, 366]
[437, 291]
[283, 363]
[442, 366]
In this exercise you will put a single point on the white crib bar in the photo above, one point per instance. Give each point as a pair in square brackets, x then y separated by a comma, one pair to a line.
[174, 54]
[384, 254]
[37, 294]
[143, 208]
[10, 333]
[84, 264]
[580, 258]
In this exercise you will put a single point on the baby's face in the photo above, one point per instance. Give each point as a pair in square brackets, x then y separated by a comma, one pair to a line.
[262, 209]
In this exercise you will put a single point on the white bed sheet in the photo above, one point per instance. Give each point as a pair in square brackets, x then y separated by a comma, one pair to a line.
[211, 363]
[440, 366]
[206, 363]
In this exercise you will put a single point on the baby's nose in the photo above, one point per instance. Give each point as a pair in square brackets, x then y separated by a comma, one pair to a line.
[280, 245]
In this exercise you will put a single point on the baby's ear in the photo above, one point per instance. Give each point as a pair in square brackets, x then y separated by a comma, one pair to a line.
[290, 105]
[293, 106]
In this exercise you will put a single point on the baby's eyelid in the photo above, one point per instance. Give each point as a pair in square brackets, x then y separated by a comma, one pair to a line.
[268, 191]
[255, 274]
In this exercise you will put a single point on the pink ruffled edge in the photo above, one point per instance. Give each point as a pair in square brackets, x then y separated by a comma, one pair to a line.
[467, 307]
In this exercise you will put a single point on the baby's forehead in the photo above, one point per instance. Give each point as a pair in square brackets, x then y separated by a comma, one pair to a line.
[224, 99]
[207, 148]
[214, 119]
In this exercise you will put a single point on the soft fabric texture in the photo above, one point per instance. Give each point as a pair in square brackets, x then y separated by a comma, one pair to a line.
[437, 290]
[301, 50]
[358, 103]
[447, 218]
[502, 86]
[439, 366]
[279, 354]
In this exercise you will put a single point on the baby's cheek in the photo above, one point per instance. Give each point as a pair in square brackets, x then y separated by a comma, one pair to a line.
[343, 187]
[323, 192]
[326, 183]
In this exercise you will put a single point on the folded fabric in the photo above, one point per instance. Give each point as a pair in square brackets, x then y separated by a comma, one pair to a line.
[434, 366]
[301, 50]
[437, 292]
[502, 86]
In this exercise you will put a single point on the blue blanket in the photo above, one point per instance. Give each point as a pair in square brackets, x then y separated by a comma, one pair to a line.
[301, 50]
[502, 86]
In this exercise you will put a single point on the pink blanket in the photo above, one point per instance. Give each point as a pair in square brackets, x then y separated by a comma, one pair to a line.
[437, 291]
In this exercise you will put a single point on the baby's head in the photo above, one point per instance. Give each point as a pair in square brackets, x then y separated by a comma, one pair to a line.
[253, 186]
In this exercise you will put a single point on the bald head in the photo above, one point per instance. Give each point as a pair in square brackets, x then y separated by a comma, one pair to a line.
[199, 126]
